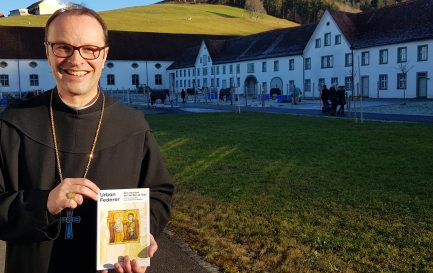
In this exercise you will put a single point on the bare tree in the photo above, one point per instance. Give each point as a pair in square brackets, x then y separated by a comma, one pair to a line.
[255, 7]
[404, 68]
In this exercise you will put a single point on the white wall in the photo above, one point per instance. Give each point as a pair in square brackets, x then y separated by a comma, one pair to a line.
[337, 51]
[392, 68]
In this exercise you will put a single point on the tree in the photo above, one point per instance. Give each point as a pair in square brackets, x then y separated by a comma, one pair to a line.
[255, 7]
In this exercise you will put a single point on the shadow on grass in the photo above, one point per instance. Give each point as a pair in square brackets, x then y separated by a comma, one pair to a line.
[223, 15]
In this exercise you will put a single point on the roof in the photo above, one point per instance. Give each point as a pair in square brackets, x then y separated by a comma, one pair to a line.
[23, 43]
[270, 44]
[34, 5]
[399, 23]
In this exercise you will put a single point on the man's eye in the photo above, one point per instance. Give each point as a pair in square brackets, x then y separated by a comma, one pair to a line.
[63, 47]
[89, 49]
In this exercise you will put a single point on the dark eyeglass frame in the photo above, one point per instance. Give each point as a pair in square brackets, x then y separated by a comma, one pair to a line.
[78, 48]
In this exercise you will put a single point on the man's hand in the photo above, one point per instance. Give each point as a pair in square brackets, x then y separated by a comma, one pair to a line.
[133, 266]
[70, 193]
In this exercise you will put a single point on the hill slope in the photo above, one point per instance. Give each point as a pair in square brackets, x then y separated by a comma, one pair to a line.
[175, 18]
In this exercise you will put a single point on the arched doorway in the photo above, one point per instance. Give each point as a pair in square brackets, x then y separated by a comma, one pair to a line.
[251, 87]
[277, 83]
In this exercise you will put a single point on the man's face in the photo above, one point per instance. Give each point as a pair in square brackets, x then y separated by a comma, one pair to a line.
[75, 76]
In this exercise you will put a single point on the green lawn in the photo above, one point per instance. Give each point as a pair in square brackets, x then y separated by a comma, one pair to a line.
[174, 18]
[278, 193]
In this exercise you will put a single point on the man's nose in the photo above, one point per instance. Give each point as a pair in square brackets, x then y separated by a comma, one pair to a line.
[76, 57]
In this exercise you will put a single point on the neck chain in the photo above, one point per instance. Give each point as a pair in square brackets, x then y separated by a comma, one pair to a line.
[53, 130]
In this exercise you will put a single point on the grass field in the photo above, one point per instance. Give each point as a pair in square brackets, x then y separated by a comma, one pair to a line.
[277, 193]
[174, 18]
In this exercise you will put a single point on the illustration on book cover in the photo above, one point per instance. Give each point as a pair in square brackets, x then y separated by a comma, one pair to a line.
[123, 227]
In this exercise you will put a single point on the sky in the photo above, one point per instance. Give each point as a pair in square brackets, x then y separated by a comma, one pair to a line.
[98, 5]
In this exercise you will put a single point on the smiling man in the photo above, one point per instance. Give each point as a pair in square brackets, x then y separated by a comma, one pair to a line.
[57, 150]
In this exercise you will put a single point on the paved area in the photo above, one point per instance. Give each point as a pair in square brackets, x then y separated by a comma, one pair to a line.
[173, 256]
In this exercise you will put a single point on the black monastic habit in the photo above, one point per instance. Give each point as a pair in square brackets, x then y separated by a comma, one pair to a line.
[126, 156]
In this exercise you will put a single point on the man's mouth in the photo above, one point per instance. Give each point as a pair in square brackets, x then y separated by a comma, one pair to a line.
[78, 73]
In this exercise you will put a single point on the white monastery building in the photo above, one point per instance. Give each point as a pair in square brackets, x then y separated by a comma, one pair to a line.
[385, 53]
[39, 8]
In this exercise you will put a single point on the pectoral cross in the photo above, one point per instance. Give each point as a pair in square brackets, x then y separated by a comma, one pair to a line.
[69, 219]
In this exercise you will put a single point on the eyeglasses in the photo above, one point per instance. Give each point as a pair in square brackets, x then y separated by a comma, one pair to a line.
[88, 52]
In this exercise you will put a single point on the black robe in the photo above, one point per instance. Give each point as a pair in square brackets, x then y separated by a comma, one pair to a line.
[126, 156]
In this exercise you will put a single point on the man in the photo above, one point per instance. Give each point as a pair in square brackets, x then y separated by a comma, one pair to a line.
[58, 149]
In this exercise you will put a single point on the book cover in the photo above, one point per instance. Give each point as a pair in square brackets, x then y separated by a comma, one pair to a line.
[123, 227]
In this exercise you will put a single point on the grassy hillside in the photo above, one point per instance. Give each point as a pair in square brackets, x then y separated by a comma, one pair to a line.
[175, 18]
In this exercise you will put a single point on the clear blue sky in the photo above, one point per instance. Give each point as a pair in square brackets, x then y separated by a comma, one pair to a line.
[98, 5]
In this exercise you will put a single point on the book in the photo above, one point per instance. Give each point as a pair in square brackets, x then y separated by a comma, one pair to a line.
[123, 227]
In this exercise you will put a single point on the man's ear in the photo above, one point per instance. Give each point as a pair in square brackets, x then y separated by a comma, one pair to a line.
[105, 55]
[47, 52]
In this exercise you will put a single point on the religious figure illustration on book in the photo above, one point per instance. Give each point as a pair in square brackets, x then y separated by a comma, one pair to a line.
[123, 227]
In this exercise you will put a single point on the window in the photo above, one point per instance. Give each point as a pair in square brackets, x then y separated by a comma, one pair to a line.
[189, 72]
[177, 74]
[327, 61]
[218, 70]
[224, 69]
[263, 66]
[158, 65]
[158, 79]
[334, 82]
[231, 69]
[292, 64]
[276, 65]
[338, 39]
[177, 83]
[291, 85]
[348, 83]
[348, 59]
[212, 82]
[365, 58]
[327, 39]
[204, 60]
[401, 81]
[383, 56]
[193, 71]
[307, 85]
[238, 81]
[383, 82]
[401, 54]
[110, 79]
[321, 83]
[135, 79]
[198, 82]
[318, 43]
[307, 63]
[238, 68]
[224, 83]
[205, 82]
[33, 64]
[198, 71]
[189, 83]
[134, 65]
[231, 82]
[204, 71]
[218, 82]
[180, 83]
[34, 80]
[4, 80]
[422, 53]
[3, 64]
[250, 68]
[212, 70]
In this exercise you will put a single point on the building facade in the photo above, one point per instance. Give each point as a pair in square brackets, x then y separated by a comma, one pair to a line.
[371, 53]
